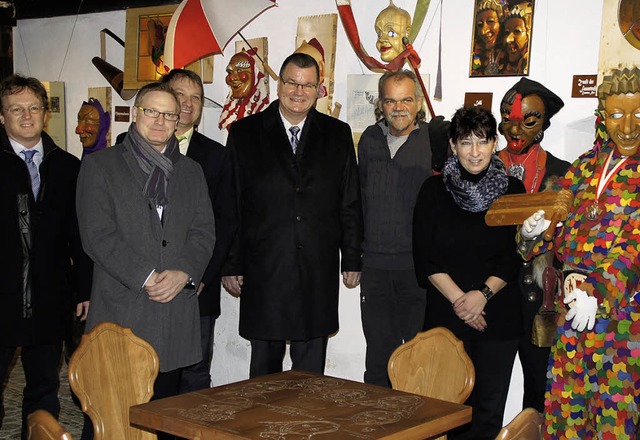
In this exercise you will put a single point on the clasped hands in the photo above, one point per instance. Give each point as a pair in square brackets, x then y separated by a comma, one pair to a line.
[164, 286]
[470, 308]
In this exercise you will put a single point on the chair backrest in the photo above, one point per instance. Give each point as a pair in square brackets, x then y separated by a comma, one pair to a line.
[433, 364]
[42, 425]
[527, 425]
[111, 370]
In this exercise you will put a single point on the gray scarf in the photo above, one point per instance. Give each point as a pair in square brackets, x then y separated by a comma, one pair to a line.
[475, 196]
[158, 167]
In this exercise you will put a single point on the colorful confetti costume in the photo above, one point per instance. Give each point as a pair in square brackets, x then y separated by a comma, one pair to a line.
[594, 376]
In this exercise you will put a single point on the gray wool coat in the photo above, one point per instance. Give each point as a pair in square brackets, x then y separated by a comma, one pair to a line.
[122, 232]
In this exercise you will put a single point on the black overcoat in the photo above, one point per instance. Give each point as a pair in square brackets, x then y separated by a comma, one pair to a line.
[218, 172]
[298, 214]
[55, 245]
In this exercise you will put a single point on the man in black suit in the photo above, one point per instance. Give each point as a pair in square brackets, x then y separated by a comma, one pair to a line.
[41, 263]
[299, 199]
[218, 171]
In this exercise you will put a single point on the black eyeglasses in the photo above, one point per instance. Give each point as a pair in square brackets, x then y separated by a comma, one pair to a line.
[155, 114]
[292, 85]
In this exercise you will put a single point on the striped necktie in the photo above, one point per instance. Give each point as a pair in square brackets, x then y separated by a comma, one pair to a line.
[33, 170]
[294, 137]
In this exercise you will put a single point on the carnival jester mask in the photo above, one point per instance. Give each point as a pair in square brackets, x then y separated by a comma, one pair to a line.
[622, 121]
[522, 122]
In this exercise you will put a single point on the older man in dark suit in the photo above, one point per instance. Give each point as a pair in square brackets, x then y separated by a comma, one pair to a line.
[146, 221]
[39, 240]
[300, 208]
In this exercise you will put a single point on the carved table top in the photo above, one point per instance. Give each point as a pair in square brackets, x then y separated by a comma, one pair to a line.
[297, 405]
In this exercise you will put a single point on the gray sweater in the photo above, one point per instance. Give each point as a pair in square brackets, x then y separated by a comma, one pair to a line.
[389, 191]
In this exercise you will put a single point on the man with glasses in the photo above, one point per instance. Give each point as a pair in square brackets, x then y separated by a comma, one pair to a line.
[394, 158]
[41, 264]
[146, 221]
[299, 201]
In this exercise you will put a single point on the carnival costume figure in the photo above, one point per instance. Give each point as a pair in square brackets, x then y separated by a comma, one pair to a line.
[526, 111]
[594, 373]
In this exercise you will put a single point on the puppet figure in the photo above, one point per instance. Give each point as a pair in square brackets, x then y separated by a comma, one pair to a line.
[248, 94]
[392, 25]
[526, 111]
[594, 371]
[93, 126]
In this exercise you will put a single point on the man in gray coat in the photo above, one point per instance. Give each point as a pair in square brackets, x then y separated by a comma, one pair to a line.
[146, 221]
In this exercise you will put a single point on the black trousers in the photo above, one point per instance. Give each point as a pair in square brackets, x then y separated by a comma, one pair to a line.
[392, 307]
[534, 360]
[198, 376]
[493, 362]
[41, 364]
[267, 356]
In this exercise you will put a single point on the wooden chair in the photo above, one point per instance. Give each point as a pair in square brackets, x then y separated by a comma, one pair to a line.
[527, 425]
[41, 425]
[433, 364]
[111, 370]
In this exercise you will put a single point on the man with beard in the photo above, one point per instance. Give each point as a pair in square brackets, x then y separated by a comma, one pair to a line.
[394, 158]
[526, 110]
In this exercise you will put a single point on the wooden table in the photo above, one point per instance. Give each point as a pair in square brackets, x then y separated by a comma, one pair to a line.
[297, 405]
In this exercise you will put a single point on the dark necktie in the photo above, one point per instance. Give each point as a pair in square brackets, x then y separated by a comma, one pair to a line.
[294, 137]
[33, 170]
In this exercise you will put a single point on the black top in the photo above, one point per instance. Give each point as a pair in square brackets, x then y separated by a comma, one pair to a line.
[448, 239]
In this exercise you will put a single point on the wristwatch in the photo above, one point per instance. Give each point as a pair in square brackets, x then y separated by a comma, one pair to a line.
[487, 292]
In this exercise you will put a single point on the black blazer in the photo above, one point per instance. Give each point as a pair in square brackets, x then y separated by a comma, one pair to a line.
[217, 165]
[299, 214]
[56, 282]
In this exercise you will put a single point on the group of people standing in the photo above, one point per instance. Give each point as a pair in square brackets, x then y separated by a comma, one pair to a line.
[167, 213]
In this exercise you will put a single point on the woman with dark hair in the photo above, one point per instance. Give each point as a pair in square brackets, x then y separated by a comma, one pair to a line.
[469, 269]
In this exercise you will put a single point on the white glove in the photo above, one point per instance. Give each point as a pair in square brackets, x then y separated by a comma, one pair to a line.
[582, 311]
[534, 225]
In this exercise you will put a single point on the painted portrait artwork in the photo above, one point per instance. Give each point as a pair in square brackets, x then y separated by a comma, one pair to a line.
[502, 31]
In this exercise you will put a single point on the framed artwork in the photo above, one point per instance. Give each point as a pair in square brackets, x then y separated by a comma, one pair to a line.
[316, 36]
[501, 42]
[55, 122]
[146, 30]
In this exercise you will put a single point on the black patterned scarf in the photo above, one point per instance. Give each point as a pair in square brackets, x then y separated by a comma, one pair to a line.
[158, 167]
[471, 194]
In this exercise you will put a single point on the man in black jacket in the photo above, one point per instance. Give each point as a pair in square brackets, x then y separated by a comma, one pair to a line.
[218, 172]
[42, 263]
[394, 158]
[300, 207]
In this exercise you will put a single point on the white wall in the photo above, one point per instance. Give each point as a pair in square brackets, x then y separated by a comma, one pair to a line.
[565, 43]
